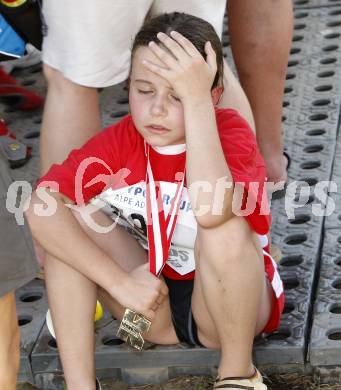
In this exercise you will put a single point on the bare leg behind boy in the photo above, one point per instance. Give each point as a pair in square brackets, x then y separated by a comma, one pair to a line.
[9, 342]
[71, 114]
[17, 267]
[261, 34]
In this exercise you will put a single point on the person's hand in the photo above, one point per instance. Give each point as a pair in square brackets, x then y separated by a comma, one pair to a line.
[184, 67]
[142, 292]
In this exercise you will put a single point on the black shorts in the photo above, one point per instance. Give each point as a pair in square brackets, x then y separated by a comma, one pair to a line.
[180, 296]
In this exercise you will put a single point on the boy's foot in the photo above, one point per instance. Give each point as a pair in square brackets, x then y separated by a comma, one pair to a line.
[252, 383]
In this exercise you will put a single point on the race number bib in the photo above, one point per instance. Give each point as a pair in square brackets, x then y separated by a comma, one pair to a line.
[127, 206]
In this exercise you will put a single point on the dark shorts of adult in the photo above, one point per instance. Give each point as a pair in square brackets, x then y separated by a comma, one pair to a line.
[18, 264]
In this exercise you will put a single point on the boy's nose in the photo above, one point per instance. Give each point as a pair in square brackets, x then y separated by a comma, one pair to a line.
[158, 108]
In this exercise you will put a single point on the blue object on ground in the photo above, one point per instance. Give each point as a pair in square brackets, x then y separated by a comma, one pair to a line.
[10, 42]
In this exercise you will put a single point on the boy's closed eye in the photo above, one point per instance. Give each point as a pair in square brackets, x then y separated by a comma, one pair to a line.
[143, 91]
[176, 98]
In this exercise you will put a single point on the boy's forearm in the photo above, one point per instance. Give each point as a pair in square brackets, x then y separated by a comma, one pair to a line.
[206, 162]
[62, 236]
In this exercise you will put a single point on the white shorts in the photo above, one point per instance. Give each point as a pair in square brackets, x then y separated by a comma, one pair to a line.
[89, 41]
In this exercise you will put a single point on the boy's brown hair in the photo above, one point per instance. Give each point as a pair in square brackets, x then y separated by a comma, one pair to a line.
[195, 29]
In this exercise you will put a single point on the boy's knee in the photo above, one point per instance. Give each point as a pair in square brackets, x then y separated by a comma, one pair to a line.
[226, 243]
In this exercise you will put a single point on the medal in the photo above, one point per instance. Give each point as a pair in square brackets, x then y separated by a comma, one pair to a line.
[131, 328]
[160, 231]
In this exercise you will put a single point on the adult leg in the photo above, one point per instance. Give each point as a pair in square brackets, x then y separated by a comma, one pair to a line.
[71, 117]
[72, 299]
[260, 34]
[231, 299]
[76, 65]
[234, 97]
[213, 12]
[9, 342]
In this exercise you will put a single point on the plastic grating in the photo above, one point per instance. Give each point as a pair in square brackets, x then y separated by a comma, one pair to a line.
[115, 359]
[313, 75]
[297, 231]
[325, 343]
[300, 246]
[312, 94]
[31, 308]
[308, 183]
[333, 218]
[314, 3]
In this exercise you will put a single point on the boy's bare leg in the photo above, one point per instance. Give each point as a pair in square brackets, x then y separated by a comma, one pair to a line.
[231, 299]
[129, 254]
[9, 342]
[72, 299]
[71, 116]
[261, 34]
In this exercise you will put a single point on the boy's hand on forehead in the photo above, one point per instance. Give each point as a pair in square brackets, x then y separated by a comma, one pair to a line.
[185, 68]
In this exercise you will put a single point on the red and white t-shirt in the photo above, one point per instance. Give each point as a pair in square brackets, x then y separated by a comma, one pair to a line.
[110, 170]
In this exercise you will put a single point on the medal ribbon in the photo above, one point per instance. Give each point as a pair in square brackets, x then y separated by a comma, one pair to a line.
[160, 230]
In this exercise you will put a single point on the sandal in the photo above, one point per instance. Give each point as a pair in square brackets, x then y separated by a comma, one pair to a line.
[255, 382]
[16, 152]
[98, 385]
[279, 194]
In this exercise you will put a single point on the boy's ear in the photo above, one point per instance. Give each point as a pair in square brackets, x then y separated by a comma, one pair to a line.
[127, 84]
[216, 94]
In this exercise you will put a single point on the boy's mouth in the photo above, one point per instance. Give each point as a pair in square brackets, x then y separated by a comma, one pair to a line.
[155, 129]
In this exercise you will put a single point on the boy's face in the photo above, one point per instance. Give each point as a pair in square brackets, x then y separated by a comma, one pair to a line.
[157, 112]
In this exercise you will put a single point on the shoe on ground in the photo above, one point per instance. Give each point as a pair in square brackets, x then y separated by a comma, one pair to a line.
[98, 385]
[33, 57]
[17, 153]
